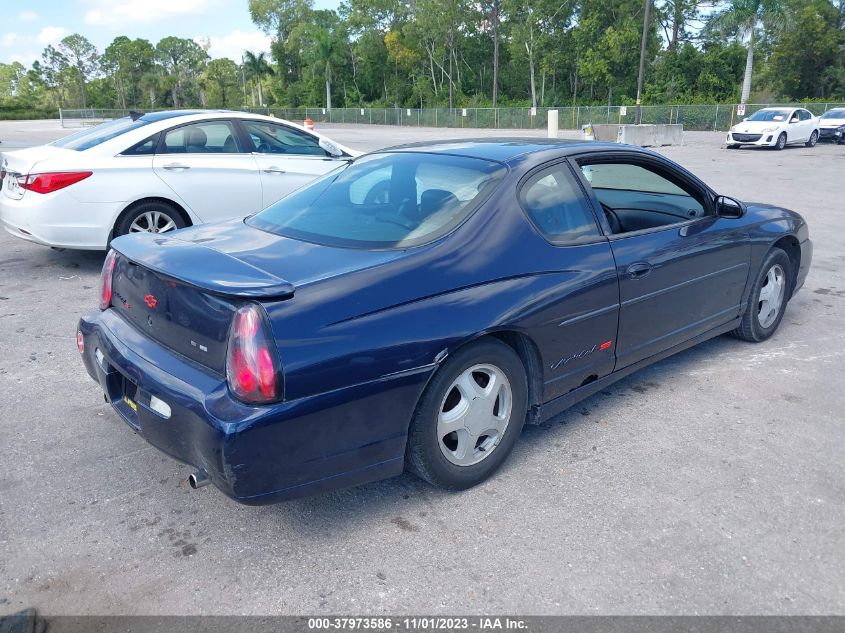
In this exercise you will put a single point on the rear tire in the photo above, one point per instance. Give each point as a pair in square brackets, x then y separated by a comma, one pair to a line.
[781, 142]
[150, 216]
[768, 298]
[814, 138]
[469, 417]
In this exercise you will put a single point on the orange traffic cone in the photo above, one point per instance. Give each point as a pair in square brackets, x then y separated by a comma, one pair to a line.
[309, 124]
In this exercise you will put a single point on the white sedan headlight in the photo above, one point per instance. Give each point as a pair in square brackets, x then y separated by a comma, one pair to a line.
[773, 128]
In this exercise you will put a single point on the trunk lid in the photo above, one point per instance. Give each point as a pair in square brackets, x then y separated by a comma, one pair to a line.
[24, 161]
[183, 290]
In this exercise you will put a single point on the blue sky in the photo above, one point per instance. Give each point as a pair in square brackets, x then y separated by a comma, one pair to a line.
[26, 28]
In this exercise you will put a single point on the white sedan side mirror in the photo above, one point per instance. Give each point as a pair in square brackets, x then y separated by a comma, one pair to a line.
[330, 148]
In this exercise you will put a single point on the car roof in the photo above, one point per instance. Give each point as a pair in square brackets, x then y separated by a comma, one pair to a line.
[504, 149]
[163, 115]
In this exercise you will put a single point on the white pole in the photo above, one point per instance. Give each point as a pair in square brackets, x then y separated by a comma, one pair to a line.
[553, 123]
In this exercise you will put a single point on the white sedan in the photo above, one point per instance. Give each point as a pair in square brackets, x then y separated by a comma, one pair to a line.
[157, 172]
[775, 127]
[833, 126]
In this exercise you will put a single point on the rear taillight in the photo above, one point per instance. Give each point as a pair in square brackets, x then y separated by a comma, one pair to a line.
[106, 279]
[48, 183]
[252, 360]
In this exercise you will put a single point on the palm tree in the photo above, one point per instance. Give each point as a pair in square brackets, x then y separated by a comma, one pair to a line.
[325, 51]
[258, 68]
[743, 18]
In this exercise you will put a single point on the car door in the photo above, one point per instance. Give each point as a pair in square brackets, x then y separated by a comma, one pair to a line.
[681, 268]
[287, 158]
[808, 123]
[206, 167]
[575, 327]
[796, 128]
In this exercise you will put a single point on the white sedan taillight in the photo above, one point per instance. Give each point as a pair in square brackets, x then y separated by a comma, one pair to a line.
[53, 181]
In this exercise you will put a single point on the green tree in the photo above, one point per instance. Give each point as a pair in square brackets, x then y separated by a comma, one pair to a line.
[83, 57]
[749, 20]
[53, 70]
[183, 61]
[11, 76]
[806, 51]
[223, 77]
[126, 61]
[257, 68]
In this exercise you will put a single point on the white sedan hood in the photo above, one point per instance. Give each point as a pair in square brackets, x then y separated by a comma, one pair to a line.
[756, 127]
[831, 122]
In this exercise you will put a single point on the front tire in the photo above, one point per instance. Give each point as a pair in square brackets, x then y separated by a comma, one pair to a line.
[814, 138]
[150, 216]
[781, 142]
[767, 301]
[469, 417]
[733, 146]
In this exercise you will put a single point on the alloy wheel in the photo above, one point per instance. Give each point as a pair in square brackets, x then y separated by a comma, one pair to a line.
[152, 222]
[474, 414]
[771, 296]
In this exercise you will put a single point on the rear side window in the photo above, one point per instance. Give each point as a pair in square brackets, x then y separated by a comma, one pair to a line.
[208, 137]
[555, 205]
[91, 137]
[144, 148]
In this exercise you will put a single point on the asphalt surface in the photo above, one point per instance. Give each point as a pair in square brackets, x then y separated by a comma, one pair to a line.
[710, 483]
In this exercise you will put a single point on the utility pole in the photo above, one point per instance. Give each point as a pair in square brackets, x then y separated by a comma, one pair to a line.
[639, 116]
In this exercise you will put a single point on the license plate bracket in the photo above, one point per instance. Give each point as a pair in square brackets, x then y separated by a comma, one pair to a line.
[126, 404]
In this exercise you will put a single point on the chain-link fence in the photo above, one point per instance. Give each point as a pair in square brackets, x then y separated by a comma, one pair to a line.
[693, 117]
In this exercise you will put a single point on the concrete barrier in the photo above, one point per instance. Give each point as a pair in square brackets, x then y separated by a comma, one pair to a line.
[642, 135]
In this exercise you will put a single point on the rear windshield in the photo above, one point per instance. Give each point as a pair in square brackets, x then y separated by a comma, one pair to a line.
[91, 137]
[390, 200]
[770, 115]
[834, 114]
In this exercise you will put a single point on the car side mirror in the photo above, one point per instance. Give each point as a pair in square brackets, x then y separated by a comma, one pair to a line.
[330, 148]
[744, 119]
[727, 207]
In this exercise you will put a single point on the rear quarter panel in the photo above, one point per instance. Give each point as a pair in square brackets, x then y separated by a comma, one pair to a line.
[495, 273]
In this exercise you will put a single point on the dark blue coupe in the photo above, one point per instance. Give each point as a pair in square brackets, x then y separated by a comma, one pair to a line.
[415, 307]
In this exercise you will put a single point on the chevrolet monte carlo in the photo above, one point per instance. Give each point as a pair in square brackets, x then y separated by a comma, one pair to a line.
[415, 307]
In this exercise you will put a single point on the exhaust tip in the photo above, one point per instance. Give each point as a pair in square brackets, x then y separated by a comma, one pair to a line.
[198, 479]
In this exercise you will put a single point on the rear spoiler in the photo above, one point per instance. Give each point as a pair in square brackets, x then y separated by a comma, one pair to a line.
[202, 267]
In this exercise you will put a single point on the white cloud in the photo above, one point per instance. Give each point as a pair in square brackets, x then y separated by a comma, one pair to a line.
[51, 35]
[125, 13]
[28, 16]
[27, 48]
[235, 43]
[9, 40]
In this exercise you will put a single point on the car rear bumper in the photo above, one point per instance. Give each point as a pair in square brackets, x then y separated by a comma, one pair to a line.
[763, 140]
[58, 220]
[255, 455]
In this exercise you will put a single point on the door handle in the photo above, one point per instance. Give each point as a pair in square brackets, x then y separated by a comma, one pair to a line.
[273, 170]
[638, 270]
[173, 166]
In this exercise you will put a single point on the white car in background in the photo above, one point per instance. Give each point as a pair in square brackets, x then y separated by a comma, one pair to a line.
[832, 126]
[775, 127]
[157, 172]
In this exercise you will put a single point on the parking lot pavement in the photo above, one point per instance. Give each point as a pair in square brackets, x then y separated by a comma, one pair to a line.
[711, 483]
